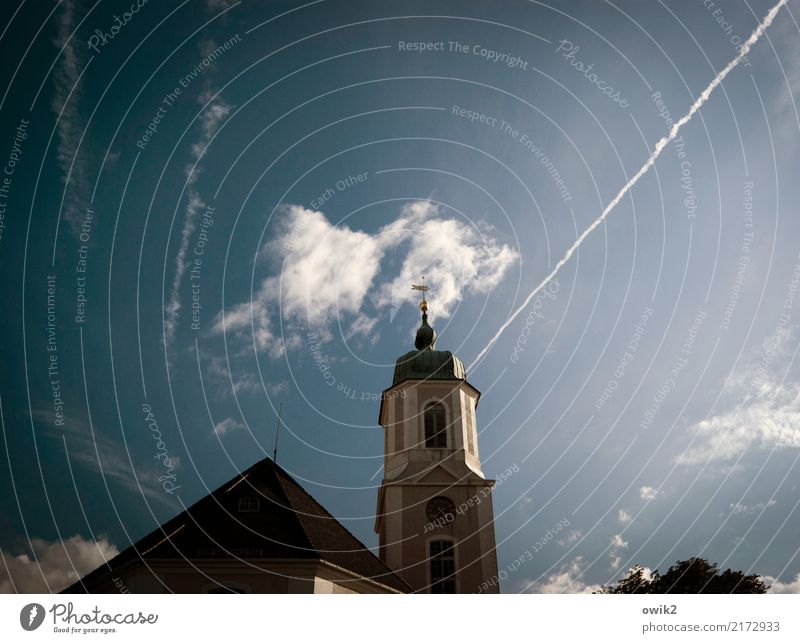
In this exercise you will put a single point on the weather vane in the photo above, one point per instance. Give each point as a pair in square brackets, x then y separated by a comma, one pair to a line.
[423, 288]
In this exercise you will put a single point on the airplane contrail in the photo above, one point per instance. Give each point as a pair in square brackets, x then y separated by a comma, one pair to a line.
[673, 132]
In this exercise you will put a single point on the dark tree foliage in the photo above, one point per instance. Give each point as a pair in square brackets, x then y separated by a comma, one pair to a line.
[693, 576]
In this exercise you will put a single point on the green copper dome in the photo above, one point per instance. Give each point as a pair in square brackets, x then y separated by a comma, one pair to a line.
[426, 363]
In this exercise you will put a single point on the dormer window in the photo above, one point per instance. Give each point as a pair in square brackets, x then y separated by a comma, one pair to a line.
[249, 504]
[435, 426]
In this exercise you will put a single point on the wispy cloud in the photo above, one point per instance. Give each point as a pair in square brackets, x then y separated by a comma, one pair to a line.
[759, 425]
[194, 204]
[99, 453]
[741, 508]
[568, 580]
[216, 110]
[223, 381]
[71, 124]
[227, 426]
[52, 566]
[762, 409]
[319, 282]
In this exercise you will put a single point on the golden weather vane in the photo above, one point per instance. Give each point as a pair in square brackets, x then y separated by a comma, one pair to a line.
[423, 288]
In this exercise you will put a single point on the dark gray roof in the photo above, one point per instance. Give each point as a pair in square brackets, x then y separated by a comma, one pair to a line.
[290, 524]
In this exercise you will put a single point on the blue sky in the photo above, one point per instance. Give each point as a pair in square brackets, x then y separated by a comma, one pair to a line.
[291, 169]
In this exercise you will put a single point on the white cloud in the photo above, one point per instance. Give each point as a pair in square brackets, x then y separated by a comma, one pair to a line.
[330, 272]
[255, 313]
[740, 508]
[571, 538]
[226, 426]
[52, 566]
[760, 424]
[777, 587]
[453, 255]
[568, 580]
[221, 382]
[648, 493]
[618, 543]
[215, 112]
[278, 388]
[327, 269]
[71, 151]
[363, 326]
[763, 411]
[624, 517]
[194, 204]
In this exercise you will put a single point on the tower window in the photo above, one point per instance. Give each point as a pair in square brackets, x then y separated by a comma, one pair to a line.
[470, 431]
[435, 427]
[249, 504]
[443, 567]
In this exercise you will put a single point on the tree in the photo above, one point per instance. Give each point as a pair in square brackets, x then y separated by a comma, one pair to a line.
[693, 576]
[636, 582]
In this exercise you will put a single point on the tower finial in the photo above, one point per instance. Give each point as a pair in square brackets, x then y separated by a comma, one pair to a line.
[426, 336]
[423, 305]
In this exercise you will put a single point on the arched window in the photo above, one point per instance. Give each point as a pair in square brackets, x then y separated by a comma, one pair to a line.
[435, 426]
[443, 567]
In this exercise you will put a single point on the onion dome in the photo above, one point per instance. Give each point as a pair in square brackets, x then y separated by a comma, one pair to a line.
[426, 336]
[425, 363]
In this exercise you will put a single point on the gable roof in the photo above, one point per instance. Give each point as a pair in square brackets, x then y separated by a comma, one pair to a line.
[289, 524]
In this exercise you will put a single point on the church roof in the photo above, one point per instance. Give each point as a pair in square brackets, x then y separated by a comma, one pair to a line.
[289, 524]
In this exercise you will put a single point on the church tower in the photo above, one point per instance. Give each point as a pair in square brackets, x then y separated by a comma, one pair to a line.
[434, 519]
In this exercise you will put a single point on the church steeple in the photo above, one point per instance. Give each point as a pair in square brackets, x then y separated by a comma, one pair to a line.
[431, 467]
